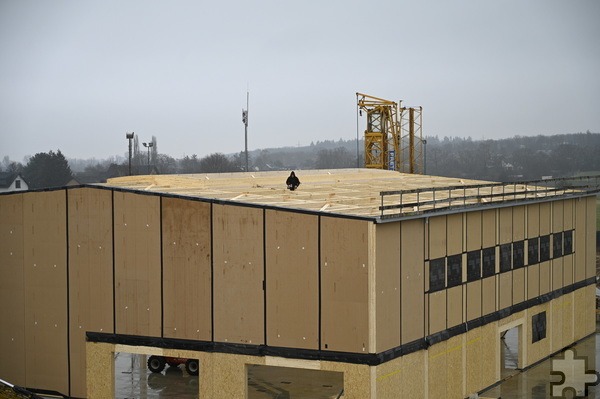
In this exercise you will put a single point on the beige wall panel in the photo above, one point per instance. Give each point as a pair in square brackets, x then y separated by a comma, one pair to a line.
[512, 318]
[12, 290]
[437, 370]
[567, 319]
[238, 274]
[413, 297]
[45, 263]
[519, 223]
[579, 314]
[357, 378]
[292, 254]
[455, 306]
[490, 339]
[344, 285]
[230, 379]
[455, 234]
[488, 232]
[474, 235]
[557, 273]
[567, 270]
[545, 278]
[587, 308]
[474, 361]
[545, 218]
[387, 277]
[505, 287]
[426, 314]
[556, 330]
[413, 379]
[533, 220]
[137, 264]
[557, 216]
[90, 274]
[518, 285]
[403, 377]
[455, 367]
[590, 246]
[100, 372]
[426, 274]
[388, 378]
[437, 237]
[474, 300]
[437, 312]
[186, 269]
[590, 297]
[505, 223]
[580, 239]
[488, 295]
[533, 281]
[568, 218]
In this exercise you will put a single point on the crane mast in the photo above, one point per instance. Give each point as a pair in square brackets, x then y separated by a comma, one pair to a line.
[393, 137]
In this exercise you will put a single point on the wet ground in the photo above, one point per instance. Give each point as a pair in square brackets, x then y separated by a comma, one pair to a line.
[134, 380]
[288, 383]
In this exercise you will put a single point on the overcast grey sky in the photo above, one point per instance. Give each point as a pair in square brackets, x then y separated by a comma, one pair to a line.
[77, 75]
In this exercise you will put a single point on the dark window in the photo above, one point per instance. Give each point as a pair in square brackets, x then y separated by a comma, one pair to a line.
[544, 248]
[533, 250]
[473, 265]
[505, 257]
[557, 245]
[518, 254]
[454, 270]
[437, 274]
[568, 242]
[17, 183]
[489, 262]
[538, 327]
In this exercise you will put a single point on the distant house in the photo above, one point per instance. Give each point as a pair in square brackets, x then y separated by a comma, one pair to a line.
[12, 182]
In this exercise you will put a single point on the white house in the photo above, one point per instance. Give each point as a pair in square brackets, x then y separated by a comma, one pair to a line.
[12, 182]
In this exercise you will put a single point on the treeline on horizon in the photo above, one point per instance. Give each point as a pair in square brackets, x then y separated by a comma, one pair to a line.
[510, 159]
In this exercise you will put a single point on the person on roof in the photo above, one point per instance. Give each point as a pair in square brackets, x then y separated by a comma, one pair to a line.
[292, 181]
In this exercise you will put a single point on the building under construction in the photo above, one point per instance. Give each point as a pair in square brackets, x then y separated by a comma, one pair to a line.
[403, 284]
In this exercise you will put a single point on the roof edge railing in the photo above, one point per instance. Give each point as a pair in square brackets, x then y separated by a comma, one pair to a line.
[433, 199]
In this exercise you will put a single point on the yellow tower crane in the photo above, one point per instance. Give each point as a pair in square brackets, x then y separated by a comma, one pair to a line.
[393, 137]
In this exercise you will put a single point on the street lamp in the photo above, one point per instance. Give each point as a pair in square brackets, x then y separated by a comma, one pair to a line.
[129, 136]
[148, 145]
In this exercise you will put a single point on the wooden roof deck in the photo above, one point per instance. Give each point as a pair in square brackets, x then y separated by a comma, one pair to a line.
[354, 192]
[344, 191]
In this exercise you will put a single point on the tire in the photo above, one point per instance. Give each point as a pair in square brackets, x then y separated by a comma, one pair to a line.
[192, 367]
[156, 364]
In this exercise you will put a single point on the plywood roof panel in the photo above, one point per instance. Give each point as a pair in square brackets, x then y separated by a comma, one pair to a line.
[343, 191]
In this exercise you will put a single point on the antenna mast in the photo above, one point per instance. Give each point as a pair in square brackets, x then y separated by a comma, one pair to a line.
[245, 121]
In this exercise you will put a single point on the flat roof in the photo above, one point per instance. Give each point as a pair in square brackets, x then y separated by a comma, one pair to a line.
[366, 193]
[354, 192]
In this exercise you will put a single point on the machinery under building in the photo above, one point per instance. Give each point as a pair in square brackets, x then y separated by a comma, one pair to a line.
[402, 284]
